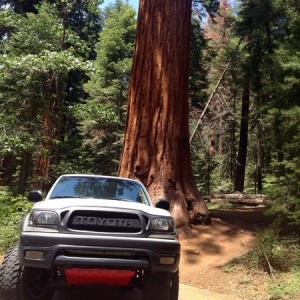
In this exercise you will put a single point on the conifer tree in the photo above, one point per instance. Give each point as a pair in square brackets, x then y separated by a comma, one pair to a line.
[213, 145]
[281, 116]
[36, 60]
[102, 116]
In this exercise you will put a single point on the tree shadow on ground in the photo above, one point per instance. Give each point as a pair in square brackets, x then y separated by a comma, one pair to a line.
[229, 230]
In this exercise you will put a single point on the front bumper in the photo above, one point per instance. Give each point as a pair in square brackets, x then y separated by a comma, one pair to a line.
[84, 251]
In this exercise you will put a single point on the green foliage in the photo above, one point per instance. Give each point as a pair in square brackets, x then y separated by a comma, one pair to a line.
[99, 126]
[284, 168]
[201, 171]
[48, 63]
[13, 209]
[81, 17]
[273, 253]
[109, 81]
[213, 148]
[212, 173]
[45, 47]
[220, 175]
[269, 51]
[281, 118]
[198, 64]
[284, 287]
[102, 117]
[231, 267]
[276, 254]
[209, 6]
[42, 62]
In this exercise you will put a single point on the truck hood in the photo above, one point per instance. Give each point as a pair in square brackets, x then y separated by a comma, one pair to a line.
[90, 203]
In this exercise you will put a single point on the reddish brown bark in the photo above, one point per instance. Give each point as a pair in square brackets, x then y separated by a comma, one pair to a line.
[156, 146]
[42, 163]
[51, 129]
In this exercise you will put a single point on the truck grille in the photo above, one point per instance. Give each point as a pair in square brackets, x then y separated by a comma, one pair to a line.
[102, 253]
[103, 221]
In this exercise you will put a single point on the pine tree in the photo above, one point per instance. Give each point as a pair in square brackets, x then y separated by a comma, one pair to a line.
[256, 25]
[281, 116]
[36, 61]
[214, 144]
[102, 117]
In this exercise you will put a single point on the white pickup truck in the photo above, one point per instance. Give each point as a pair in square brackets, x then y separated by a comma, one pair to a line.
[93, 230]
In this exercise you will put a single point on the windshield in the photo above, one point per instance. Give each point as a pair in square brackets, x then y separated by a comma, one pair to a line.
[99, 188]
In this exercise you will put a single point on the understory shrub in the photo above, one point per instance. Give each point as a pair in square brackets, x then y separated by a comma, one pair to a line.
[284, 287]
[274, 253]
[13, 209]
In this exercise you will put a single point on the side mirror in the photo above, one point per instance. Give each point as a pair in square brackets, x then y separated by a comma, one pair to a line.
[35, 196]
[163, 204]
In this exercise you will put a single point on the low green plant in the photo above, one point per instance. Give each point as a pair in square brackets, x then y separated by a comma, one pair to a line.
[13, 209]
[284, 287]
[231, 267]
[272, 253]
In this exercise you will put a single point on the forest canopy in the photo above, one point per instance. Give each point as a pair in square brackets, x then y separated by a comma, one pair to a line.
[64, 77]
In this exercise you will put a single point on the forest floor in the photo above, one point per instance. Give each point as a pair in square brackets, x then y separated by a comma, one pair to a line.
[209, 257]
[211, 267]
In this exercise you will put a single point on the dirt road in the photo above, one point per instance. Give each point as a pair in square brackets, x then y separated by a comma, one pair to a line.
[186, 293]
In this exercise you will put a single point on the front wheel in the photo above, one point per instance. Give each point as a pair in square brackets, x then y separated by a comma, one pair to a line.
[161, 286]
[22, 283]
[34, 284]
[10, 271]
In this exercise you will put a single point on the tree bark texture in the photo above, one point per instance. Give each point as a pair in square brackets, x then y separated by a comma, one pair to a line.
[51, 115]
[156, 146]
[42, 163]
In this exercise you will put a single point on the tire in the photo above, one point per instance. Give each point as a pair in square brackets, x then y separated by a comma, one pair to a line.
[161, 286]
[17, 283]
[34, 284]
[10, 275]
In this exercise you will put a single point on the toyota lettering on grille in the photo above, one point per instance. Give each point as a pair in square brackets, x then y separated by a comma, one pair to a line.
[106, 222]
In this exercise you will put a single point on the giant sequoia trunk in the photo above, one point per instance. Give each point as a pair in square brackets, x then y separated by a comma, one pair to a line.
[156, 148]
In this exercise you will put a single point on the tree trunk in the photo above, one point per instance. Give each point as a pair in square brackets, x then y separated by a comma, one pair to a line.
[259, 145]
[52, 119]
[156, 146]
[42, 163]
[7, 169]
[25, 170]
[233, 139]
[243, 143]
[259, 163]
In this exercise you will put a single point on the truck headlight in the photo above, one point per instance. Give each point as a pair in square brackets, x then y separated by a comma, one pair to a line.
[162, 224]
[44, 218]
